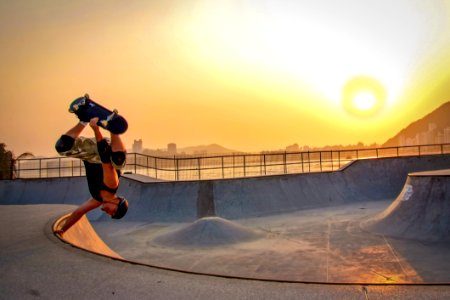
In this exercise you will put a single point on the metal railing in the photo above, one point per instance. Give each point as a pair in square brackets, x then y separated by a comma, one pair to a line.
[225, 166]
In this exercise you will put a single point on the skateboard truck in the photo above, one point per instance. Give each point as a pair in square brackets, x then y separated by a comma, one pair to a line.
[81, 103]
[109, 118]
[77, 106]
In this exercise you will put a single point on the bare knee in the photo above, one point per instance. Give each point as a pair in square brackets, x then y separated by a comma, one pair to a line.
[118, 158]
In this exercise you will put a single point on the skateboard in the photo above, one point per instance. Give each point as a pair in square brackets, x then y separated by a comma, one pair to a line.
[86, 109]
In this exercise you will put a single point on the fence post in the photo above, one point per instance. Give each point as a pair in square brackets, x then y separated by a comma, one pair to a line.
[199, 169]
[244, 164]
[156, 167]
[339, 159]
[332, 160]
[301, 156]
[233, 165]
[260, 165]
[175, 163]
[285, 162]
[223, 168]
[264, 158]
[309, 162]
[320, 160]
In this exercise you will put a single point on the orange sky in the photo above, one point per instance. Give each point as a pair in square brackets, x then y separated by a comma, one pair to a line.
[249, 75]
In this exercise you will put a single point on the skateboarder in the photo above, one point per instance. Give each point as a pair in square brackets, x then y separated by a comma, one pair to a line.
[103, 160]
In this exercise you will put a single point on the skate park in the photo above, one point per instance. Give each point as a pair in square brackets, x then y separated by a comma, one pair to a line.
[373, 228]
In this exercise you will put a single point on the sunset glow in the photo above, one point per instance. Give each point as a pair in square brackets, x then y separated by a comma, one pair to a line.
[363, 96]
[364, 101]
[248, 75]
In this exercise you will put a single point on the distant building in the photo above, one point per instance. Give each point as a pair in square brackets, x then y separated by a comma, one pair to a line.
[421, 138]
[200, 152]
[447, 135]
[172, 148]
[293, 148]
[432, 126]
[432, 133]
[439, 138]
[431, 136]
[137, 146]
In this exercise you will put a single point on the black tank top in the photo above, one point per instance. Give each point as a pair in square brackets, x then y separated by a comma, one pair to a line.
[94, 175]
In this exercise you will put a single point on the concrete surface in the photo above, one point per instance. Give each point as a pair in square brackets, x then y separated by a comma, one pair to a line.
[35, 263]
[316, 245]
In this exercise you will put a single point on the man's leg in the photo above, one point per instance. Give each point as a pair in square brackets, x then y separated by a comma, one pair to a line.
[118, 151]
[110, 176]
[117, 144]
[117, 159]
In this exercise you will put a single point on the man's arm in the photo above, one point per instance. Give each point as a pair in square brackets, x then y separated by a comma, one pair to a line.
[94, 126]
[78, 213]
[76, 130]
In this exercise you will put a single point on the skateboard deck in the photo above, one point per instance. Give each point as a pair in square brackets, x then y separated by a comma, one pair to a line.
[86, 109]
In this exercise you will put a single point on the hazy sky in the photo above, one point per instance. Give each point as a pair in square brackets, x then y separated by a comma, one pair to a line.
[249, 75]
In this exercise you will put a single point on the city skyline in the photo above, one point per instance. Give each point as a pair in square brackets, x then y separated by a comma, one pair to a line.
[429, 137]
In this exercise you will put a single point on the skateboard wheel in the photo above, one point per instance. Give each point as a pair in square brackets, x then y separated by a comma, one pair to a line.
[104, 123]
[86, 96]
[74, 108]
[115, 111]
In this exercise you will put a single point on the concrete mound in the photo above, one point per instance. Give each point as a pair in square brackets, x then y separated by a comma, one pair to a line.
[420, 212]
[208, 232]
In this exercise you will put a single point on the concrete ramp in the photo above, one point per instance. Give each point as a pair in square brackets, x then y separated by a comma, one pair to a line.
[420, 212]
[83, 236]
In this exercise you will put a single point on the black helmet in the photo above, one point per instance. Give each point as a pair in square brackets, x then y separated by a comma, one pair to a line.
[122, 208]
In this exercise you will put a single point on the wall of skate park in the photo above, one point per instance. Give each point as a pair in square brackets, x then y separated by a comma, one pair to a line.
[65, 190]
[184, 201]
[363, 180]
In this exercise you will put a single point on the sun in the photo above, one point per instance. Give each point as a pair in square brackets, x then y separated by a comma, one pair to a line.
[363, 96]
[364, 101]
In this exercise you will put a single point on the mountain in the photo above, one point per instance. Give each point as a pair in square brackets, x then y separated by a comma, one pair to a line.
[206, 149]
[434, 128]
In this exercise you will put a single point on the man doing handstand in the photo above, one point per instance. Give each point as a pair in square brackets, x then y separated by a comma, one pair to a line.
[102, 161]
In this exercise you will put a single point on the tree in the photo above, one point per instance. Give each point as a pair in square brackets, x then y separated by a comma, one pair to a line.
[8, 162]
[6, 157]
